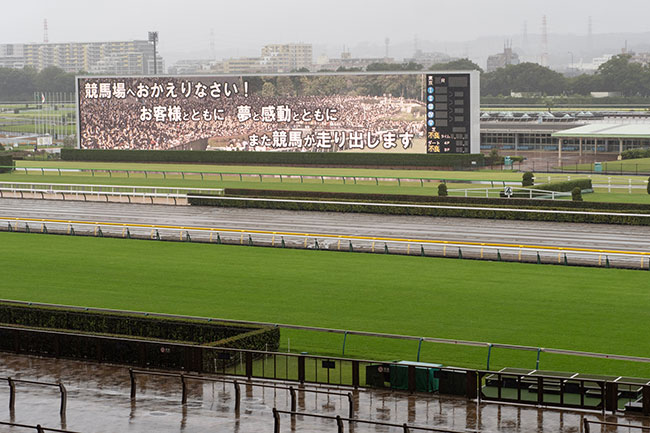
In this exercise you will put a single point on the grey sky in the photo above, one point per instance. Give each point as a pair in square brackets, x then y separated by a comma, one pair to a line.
[241, 27]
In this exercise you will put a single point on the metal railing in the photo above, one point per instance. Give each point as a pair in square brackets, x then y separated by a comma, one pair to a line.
[519, 192]
[37, 427]
[304, 367]
[575, 391]
[495, 251]
[340, 428]
[12, 392]
[184, 377]
[587, 422]
[258, 177]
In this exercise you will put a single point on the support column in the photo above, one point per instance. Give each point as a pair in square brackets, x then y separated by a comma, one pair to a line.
[620, 148]
[559, 151]
[580, 146]
[516, 142]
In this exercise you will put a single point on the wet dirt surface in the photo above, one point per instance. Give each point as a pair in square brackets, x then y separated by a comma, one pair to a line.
[99, 401]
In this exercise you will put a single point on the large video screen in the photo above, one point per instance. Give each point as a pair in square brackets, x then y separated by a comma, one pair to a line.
[424, 112]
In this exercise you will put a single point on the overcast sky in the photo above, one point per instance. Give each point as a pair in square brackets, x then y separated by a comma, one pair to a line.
[242, 27]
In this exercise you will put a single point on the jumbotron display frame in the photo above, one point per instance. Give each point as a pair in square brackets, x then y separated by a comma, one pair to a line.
[374, 112]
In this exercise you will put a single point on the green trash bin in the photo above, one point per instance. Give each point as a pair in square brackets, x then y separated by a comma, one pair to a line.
[598, 167]
[425, 376]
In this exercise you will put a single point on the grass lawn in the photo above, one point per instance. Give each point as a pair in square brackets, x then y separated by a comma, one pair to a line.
[620, 196]
[600, 310]
[633, 166]
[232, 181]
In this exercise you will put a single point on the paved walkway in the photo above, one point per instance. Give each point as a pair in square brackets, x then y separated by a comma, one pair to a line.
[99, 401]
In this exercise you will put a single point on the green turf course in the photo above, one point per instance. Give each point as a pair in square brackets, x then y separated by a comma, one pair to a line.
[458, 180]
[600, 310]
[440, 174]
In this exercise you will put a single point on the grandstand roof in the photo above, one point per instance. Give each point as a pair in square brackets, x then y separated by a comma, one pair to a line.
[607, 130]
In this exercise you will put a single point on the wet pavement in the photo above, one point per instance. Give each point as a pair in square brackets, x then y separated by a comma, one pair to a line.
[99, 401]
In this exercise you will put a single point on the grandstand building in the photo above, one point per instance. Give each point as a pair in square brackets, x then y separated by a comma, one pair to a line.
[582, 133]
[114, 58]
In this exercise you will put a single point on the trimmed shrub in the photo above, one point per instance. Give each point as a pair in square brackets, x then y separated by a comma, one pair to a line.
[576, 194]
[527, 179]
[648, 187]
[6, 163]
[276, 158]
[194, 331]
[434, 212]
[442, 190]
[427, 199]
[566, 186]
[635, 153]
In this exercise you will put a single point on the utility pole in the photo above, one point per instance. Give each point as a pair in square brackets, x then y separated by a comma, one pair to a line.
[153, 37]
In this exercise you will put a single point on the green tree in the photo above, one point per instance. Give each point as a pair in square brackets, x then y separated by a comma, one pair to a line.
[524, 77]
[584, 84]
[53, 79]
[442, 190]
[388, 67]
[619, 74]
[456, 65]
[17, 84]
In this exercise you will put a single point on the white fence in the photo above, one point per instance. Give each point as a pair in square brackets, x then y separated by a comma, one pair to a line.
[563, 255]
[90, 192]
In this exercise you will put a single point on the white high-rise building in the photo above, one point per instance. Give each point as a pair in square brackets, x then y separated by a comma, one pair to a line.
[122, 57]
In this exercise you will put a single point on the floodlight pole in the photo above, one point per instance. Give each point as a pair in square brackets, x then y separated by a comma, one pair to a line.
[153, 37]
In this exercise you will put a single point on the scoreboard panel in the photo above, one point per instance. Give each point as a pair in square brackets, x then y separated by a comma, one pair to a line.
[452, 109]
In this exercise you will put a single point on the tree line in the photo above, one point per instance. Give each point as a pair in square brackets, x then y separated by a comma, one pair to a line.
[619, 74]
[21, 84]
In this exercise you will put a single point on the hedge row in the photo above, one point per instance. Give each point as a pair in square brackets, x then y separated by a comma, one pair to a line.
[565, 186]
[635, 153]
[6, 162]
[98, 348]
[279, 158]
[433, 212]
[425, 199]
[200, 332]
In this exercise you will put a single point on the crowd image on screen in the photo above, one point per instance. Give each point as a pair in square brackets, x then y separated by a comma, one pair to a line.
[117, 123]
